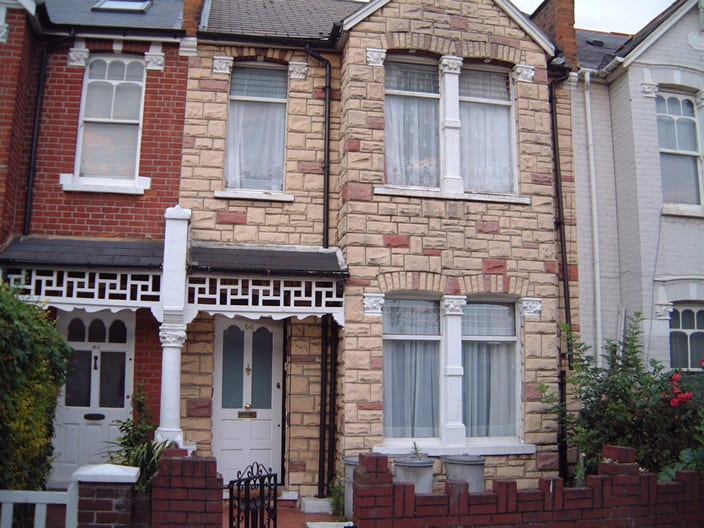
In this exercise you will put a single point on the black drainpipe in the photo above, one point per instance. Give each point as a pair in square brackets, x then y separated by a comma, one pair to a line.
[560, 224]
[326, 323]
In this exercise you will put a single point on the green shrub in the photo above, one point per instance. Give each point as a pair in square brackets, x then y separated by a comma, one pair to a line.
[34, 360]
[626, 403]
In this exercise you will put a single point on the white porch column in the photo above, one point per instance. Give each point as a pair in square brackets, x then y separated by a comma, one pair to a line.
[172, 332]
[451, 176]
[452, 430]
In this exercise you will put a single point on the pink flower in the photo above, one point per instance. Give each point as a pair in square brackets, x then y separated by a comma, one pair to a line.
[674, 402]
[676, 377]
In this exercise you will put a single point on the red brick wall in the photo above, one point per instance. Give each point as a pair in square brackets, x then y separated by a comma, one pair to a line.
[17, 81]
[618, 496]
[147, 361]
[109, 215]
[104, 504]
[556, 19]
[187, 491]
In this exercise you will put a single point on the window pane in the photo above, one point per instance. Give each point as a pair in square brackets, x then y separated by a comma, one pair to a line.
[686, 134]
[700, 319]
[687, 319]
[411, 389]
[96, 331]
[128, 101]
[76, 331]
[483, 84]
[262, 358]
[135, 72]
[412, 141]
[488, 319]
[660, 105]
[232, 368]
[678, 350]
[116, 70]
[673, 106]
[99, 100]
[675, 318]
[78, 379]
[256, 145]
[489, 393]
[411, 317]
[118, 332]
[112, 379]
[109, 150]
[666, 133]
[412, 78]
[97, 69]
[259, 82]
[680, 181]
[486, 161]
[697, 349]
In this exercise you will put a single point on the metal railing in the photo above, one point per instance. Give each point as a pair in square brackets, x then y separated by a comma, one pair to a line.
[253, 498]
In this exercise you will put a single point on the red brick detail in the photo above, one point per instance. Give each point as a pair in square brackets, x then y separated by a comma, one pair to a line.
[358, 282]
[494, 266]
[376, 123]
[353, 145]
[457, 22]
[297, 465]
[551, 267]
[310, 167]
[452, 286]
[370, 406]
[397, 241]
[199, 407]
[231, 218]
[432, 252]
[357, 191]
[487, 227]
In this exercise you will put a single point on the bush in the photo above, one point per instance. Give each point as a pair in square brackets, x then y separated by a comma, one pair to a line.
[34, 360]
[626, 403]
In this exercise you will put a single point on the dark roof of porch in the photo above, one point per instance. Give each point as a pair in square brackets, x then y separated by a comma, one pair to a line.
[257, 260]
[73, 252]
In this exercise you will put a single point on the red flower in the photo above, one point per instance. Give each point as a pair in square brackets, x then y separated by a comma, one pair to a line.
[674, 402]
[702, 363]
[676, 377]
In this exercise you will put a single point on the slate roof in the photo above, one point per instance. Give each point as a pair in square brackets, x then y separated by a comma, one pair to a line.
[161, 15]
[268, 261]
[294, 19]
[63, 252]
[594, 46]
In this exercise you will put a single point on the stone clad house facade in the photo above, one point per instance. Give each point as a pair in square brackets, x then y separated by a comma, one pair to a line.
[347, 229]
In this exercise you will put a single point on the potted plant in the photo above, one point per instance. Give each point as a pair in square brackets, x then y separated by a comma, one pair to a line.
[417, 468]
[467, 468]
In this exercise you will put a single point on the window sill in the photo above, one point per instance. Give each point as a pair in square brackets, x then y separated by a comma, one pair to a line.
[242, 194]
[391, 190]
[486, 447]
[70, 183]
[675, 209]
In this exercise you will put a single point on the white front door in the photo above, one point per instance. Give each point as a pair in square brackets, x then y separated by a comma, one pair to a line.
[97, 391]
[247, 397]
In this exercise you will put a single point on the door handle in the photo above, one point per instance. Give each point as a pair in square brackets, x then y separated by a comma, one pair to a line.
[95, 362]
[248, 406]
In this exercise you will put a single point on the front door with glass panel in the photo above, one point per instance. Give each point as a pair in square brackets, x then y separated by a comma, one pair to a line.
[247, 397]
[97, 391]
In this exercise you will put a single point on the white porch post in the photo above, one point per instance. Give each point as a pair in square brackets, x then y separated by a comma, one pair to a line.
[452, 431]
[172, 332]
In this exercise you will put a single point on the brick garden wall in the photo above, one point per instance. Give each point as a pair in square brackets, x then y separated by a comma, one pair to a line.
[618, 496]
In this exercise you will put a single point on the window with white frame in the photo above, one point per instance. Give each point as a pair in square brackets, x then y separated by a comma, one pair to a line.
[486, 150]
[425, 105]
[686, 336]
[256, 128]
[679, 149]
[111, 119]
[411, 368]
[412, 134]
[489, 366]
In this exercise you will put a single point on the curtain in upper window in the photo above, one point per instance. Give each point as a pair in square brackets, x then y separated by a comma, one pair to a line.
[256, 129]
[112, 113]
[412, 120]
[411, 368]
[485, 114]
[679, 149]
[489, 363]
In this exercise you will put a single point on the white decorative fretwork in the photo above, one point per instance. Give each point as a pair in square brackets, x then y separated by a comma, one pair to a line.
[376, 57]
[450, 64]
[531, 307]
[297, 70]
[85, 288]
[373, 303]
[274, 297]
[222, 64]
[524, 73]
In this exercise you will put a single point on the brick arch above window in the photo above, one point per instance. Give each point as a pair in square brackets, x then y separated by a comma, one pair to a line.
[495, 284]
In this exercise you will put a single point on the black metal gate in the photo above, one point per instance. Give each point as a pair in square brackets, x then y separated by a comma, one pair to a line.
[253, 498]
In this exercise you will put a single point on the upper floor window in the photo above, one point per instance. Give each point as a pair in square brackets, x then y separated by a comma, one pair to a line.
[686, 336]
[256, 128]
[486, 146]
[449, 128]
[111, 119]
[412, 120]
[679, 149]
[489, 364]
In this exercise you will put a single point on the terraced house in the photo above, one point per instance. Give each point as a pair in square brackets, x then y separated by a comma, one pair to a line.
[340, 226]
